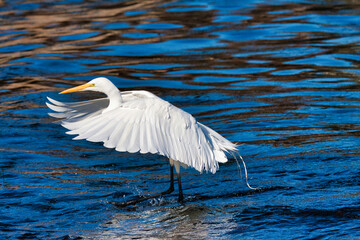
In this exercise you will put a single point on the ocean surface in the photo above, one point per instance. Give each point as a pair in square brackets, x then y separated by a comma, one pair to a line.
[279, 78]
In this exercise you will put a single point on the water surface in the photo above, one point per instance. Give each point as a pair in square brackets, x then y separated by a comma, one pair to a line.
[279, 78]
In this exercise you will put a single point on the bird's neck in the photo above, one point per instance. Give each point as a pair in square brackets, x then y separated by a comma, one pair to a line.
[115, 99]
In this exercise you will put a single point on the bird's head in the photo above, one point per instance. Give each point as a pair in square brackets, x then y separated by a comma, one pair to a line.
[100, 84]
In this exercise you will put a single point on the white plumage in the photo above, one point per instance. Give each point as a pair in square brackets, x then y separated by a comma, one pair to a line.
[139, 121]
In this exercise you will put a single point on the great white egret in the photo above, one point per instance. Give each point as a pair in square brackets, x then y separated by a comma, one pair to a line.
[139, 121]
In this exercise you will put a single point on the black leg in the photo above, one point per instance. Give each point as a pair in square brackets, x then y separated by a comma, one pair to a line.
[170, 190]
[181, 197]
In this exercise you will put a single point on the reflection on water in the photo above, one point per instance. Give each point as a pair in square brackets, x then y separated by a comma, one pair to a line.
[279, 78]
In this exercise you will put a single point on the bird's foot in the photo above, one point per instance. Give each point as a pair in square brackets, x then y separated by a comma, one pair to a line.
[181, 199]
[141, 199]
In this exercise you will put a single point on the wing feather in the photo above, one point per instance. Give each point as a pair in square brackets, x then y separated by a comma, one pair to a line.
[150, 134]
[167, 144]
[122, 144]
[76, 109]
[145, 123]
[134, 139]
[91, 129]
[57, 108]
[104, 133]
[142, 137]
[114, 137]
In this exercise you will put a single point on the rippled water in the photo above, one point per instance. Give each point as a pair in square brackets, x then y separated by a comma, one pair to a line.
[280, 78]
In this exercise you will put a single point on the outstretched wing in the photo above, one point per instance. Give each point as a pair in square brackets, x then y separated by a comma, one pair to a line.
[145, 123]
[77, 110]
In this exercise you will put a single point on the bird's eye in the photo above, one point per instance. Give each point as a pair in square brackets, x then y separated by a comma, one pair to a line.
[92, 85]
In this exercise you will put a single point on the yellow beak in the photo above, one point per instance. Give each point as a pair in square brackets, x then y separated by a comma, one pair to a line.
[78, 88]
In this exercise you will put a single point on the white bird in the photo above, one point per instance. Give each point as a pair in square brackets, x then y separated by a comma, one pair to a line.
[139, 121]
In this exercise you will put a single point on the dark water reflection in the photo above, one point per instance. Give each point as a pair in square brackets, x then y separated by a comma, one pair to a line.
[281, 78]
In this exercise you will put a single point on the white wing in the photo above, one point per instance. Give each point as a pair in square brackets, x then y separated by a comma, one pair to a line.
[76, 110]
[145, 123]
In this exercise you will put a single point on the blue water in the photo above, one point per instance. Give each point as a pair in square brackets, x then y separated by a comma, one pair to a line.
[279, 78]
